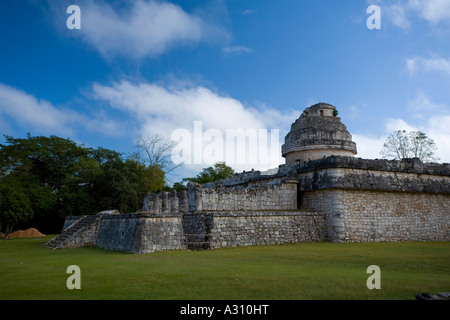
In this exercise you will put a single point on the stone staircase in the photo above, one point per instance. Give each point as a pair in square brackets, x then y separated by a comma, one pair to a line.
[71, 232]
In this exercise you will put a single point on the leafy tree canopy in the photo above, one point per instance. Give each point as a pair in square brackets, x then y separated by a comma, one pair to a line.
[218, 172]
[15, 206]
[60, 178]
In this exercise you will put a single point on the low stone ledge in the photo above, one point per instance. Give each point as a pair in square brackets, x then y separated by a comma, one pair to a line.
[361, 179]
[413, 165]
[258, 213]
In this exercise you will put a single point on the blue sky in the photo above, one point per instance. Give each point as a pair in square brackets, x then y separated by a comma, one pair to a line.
[136, 68]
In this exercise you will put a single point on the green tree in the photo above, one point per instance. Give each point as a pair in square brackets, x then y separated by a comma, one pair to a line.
[61, 178]
[14, 206]
[38, 166]
[126, 183]
[50, 159]
[179, 186]
[218, 172]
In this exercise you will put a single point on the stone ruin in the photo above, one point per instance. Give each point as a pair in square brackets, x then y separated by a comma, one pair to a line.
[322, 193]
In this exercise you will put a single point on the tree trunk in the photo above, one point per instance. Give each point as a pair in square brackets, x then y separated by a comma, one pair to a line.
[8, 229]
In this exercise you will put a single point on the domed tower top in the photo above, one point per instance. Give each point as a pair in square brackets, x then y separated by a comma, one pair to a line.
[318, 133]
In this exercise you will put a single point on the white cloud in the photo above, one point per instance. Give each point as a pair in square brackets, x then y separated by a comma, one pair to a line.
[42, 116]
[416, 64]
[164, 110]
[433, 11]
[422, 106]
[30, 112]
[397, 15]
[237, 49]
[179, 105]
[401, 12]
[142, 28]
[368, 146]
[398, 124]
[247, 12]
[438, 127]
[5, 127]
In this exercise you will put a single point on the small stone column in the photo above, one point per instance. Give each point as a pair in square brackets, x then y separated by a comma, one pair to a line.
[183, 201]
[165, 206]
[156, 203]
[174, 202]
[194, 197]
[148, 202]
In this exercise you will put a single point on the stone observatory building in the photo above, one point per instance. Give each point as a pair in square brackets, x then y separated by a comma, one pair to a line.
[318, 133]
[322, 193]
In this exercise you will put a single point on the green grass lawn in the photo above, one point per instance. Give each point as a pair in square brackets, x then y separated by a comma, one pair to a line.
[285, 272]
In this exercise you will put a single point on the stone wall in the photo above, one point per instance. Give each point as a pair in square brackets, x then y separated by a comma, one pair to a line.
[138, 233]
[368, 179]
[378, 200]
[363, 215]
[197, 229]
[266, 197]
[158, 233]
[266, 228]
[209, 230]
[166, 202]
[318, 152]
[270, 196]
[410, 175]
[144, 233]
[119, 232]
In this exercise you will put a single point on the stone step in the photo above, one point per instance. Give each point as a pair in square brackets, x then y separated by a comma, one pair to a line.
[70, 232]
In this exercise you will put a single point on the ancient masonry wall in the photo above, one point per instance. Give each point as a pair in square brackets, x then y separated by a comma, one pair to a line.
[363, 216]
[266, 228]
[379, 200]
[118, 232]
[267, 197]
[161, 233]
[266, 213]
[231, 229]
[134, 233]
[138, 233]
[281, 196]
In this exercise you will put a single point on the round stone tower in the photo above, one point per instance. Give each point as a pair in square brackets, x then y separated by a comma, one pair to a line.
[316, 134]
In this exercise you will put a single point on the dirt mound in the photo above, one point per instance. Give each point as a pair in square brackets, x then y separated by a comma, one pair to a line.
[29, 233]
